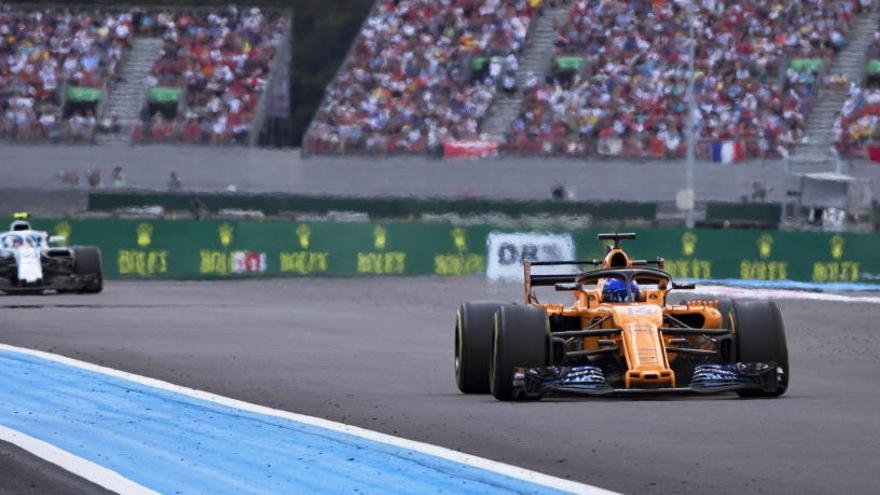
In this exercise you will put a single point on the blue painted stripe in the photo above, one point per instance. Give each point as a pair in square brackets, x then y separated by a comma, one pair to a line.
[174, 443]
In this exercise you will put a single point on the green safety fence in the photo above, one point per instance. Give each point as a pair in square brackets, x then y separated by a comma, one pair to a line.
[569, 63]
[764, 215]
[811, 64]
[216, 249]
[163, 94]
[273, 204]
[83, 95]
[477, 63]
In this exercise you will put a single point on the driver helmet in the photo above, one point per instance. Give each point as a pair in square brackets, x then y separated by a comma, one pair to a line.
[18, 225]
[614, 291]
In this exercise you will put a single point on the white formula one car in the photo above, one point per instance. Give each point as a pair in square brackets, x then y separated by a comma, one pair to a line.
[29, 265]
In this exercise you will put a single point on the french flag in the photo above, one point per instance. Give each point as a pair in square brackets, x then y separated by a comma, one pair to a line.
[727, 152]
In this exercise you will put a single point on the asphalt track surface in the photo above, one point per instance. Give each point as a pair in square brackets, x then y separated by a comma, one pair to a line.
[23, 473]
[377, 353]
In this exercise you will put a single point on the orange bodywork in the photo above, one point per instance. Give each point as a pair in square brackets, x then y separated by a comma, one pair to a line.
[641, 341]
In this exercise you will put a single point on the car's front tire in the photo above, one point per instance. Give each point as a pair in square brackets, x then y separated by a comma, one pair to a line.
[760, 337]
[521, 340]
[87, 263]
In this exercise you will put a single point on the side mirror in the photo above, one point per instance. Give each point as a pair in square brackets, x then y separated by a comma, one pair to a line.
[56, 239]
[676, 285]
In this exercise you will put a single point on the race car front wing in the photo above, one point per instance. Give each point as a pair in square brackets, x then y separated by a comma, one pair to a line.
[590, 380]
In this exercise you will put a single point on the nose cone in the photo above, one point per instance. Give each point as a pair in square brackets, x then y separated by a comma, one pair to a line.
[643, 346]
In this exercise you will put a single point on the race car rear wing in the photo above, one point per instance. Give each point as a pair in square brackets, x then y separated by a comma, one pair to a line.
[550, 280]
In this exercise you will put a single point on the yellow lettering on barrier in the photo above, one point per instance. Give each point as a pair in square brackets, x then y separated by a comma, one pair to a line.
[137, 262]
[689, 243]
[225, 232]
[144, 234]
[63, 229]
[392, 262]
[763, 270]
[304, 262]
[215, 262]
[836, 271]
[837, 242]
[694, 268]
[459, 264]
[380, 237]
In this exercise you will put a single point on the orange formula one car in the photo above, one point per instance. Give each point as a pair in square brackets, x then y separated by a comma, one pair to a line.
[621, 335]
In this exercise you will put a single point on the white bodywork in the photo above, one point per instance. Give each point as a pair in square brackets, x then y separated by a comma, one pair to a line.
[26, 247]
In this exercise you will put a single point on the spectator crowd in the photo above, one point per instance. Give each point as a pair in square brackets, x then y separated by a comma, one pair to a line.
[857, 126]
[221, 62]
[628, 94]
[42, 51]
[417, 75]
[424, 72]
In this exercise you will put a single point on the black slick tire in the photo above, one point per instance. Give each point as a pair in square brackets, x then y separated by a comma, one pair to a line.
[521, 340]
[760, 337]
[474, 324]
[87, 262]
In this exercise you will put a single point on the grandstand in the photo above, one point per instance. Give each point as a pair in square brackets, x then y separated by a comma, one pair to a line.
[420, 73]
[585, 78]
[593, 78]
[619, 78]
[54, 62]
[855, 131]
[112, 75]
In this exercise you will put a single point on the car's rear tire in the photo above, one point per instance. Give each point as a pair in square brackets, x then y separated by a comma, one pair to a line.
[87, 262]
[474, 324]
[521, 340]
[760, 337]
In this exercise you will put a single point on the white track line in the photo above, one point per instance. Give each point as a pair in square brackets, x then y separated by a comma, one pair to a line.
[750, 293]
[83, 468]
[425, 448]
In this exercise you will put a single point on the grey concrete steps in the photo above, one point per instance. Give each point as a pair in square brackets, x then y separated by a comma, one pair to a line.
[850, 62]
[127, 95]
[535, 59]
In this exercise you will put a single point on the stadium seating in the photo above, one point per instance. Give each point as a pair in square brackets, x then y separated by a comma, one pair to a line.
[619, 79]
[857, 128]
[43, 51]
[221, 61]
[420, 72]
[218, 59]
